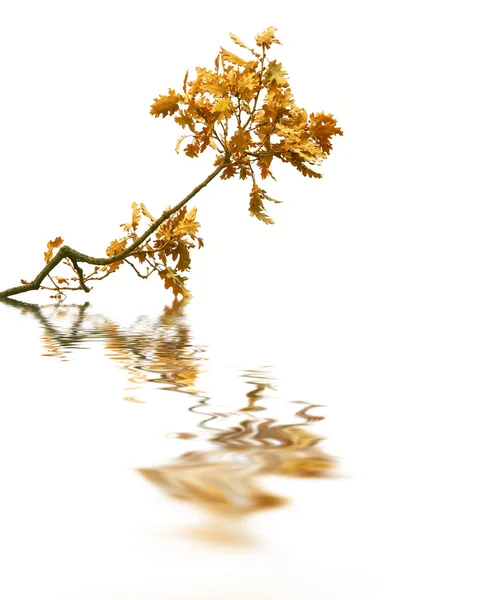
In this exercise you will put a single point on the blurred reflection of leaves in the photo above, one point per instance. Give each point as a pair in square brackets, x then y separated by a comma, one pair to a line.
[156, 350]
[225, 478]
[244, 446]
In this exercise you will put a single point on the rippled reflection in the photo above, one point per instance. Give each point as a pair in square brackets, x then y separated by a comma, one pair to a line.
[225, 478]
[244, 443]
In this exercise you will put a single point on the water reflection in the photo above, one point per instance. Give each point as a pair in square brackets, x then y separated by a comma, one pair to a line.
[225, 478]
[243, 444]
[151, 350]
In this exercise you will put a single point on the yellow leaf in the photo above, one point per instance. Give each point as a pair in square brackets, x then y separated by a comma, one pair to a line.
[187, 228]
[184, 257]
[183, 120]
[136, 215]
[175, 282]
[223, 108]
[213, 87]
[147, 213]
[192, 150]
[166, 105]
[267, 38]
[50, 247]
[233, 58]
[116, 247]
[246, 84]
[237, 41]
[275, 75]
[256, 206]
[114, 266]
[190, 216]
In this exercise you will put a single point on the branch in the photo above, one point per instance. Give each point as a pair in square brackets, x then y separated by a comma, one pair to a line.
[78, 257]
[80, 273]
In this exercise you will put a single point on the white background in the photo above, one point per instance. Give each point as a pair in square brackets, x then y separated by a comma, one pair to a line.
[370, 280]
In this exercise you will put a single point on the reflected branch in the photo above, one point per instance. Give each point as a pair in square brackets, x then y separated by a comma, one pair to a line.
[243, 446]
[153, 350]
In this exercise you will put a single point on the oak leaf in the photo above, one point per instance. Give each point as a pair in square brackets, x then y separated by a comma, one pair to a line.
[174, 282]
[166, 105]
[114, 266]
[267, 38]
[50, 247]
[183, 121]
[234, 59]
[256, 206]
[147, 213]
[237, 41]
[184, 257]
[275, 75]
[135, 216]
[223, 108]
[116, 247]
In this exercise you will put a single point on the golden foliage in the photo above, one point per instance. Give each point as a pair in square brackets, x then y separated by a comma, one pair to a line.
[168, 254]
[245, 111]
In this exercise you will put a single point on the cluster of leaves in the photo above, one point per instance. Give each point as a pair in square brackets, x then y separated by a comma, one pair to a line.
[244, 109]
[168, 254]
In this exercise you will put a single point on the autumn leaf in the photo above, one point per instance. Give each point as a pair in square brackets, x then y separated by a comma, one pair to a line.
[210, 82]
[223, 108]
[192, 150]
[228, 172]
[245, 85]
[256, 206]
[237, 41]
[50, 247]
[174, 282]
[323, 127]
[264, 163]
[116, 247]
[147, 213]
[186, 227]
[275, 75]
[166, 105]
[233, 58]
[136, 215]
[267, 38]
[114, 266]
[191, 214]
[183, 121]
[184, 257]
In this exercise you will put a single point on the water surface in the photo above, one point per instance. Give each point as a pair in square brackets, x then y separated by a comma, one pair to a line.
[239, 439]
[184, 454]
